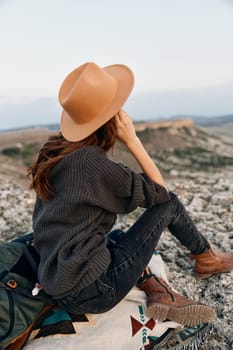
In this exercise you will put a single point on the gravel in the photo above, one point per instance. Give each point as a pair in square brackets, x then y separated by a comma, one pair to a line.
[208, 198]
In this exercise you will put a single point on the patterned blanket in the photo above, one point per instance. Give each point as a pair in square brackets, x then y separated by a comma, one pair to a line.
[125, 327]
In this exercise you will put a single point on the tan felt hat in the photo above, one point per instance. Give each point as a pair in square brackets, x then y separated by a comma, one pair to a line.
[90, 96]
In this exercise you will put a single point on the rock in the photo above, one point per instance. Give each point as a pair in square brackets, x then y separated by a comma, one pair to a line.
[16, 206]
[208, 198]
[174, 173]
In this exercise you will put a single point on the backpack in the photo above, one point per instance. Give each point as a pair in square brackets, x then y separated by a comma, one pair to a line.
[19, 309]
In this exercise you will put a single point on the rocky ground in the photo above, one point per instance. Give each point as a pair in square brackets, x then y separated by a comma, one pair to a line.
[209, 199]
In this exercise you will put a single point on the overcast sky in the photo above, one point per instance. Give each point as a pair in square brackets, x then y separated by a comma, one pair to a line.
[171, 45]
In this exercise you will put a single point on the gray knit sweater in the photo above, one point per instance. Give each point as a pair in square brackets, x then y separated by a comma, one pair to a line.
[70, 230]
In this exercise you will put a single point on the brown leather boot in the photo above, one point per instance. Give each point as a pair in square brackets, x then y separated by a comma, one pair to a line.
[165, 304]
[211, 262]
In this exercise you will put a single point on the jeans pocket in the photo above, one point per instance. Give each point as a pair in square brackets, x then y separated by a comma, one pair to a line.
[96, 298]
[104, 286]
[104, 301]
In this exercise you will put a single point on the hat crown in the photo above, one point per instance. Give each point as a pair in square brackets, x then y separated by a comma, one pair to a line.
[87, 92]
[91, 96]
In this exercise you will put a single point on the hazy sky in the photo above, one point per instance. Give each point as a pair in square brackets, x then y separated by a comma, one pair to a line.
[169, 44]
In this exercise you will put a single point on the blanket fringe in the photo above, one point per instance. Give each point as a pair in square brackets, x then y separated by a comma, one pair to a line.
[189, 338]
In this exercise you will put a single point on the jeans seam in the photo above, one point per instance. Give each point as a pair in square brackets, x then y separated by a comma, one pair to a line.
[138, 248]
[108, 287]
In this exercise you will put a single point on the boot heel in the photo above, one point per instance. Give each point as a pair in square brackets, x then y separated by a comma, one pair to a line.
[158, 311]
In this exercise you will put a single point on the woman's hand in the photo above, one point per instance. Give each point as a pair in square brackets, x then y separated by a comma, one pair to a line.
[125, 130]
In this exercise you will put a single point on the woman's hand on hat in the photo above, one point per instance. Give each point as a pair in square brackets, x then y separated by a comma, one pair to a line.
[127, 134]
[125, 130]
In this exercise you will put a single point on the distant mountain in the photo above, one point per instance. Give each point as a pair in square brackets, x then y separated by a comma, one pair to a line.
[32, 113]
[219, 121]
[204, 121]
[206, 102]
[213, 121]
[175, 143]
[201, 121]
[51, 127]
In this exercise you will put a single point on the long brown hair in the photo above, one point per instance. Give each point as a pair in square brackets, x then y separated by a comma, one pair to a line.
[56, 148]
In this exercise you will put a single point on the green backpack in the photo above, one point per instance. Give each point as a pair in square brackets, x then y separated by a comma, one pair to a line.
[19, 309]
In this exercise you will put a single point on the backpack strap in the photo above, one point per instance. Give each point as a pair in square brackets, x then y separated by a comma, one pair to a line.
[11, 315]
[30, 252]
[30, 258]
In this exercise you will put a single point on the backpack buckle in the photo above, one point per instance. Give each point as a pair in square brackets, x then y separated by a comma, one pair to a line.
[11, 284]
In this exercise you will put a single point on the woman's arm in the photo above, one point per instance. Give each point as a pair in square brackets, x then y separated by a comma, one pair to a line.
[126, 134]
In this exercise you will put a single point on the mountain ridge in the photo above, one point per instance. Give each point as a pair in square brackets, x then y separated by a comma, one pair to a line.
[173, 143]
[203, 101]
[198, 120]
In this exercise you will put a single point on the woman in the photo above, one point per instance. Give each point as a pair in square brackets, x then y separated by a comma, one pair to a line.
[83, 265]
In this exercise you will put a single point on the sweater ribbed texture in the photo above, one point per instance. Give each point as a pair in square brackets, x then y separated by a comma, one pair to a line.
[70, 230]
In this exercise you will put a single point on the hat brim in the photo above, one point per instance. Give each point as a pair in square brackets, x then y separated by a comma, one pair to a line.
[125, 81]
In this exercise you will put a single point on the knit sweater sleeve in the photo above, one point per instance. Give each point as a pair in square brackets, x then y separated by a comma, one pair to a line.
[118, 189]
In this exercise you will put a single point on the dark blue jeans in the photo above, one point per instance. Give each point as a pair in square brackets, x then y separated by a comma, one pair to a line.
[131, 252]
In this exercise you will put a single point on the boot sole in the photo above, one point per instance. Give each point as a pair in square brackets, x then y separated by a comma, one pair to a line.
[202, 276]
[190, 315]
